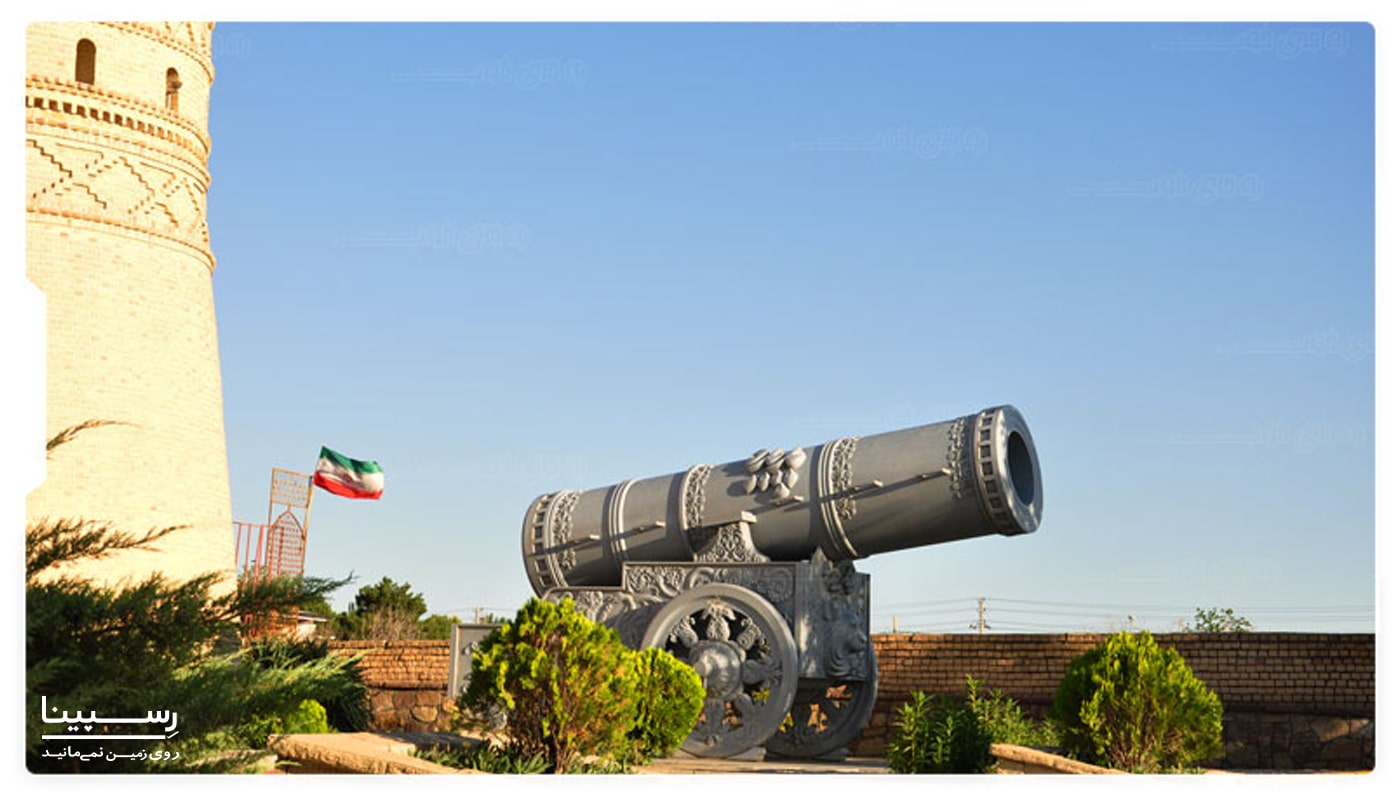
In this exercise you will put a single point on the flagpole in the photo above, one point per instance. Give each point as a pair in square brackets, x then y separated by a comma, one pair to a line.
[306, 523]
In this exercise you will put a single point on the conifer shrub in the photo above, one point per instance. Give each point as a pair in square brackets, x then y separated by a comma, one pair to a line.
[566, 686]
[150, 643]
[670, 697]
[1132, 705]
[343, 694]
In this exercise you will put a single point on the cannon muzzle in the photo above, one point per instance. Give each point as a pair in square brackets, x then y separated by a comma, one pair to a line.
[849, 498]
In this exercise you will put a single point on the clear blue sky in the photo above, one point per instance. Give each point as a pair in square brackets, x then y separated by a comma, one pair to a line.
[503, 260]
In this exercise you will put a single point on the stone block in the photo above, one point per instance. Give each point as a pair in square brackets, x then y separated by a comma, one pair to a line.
[1342, 754]
[427, 715]
[1328, 728]
[1241, 756]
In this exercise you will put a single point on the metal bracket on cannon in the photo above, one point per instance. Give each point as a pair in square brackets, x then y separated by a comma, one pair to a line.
[726, 542]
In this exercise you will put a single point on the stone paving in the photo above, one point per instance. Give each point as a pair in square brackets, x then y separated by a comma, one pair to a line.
[718, 766]
[389, 753]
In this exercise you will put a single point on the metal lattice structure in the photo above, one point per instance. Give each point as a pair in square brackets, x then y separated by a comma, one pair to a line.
[286, 547]
[277, 548]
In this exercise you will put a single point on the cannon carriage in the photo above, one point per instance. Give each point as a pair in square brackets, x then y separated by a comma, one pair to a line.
[745, 569]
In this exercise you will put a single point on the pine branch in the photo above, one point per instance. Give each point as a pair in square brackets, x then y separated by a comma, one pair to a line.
[284, 593]
[50, 542]
[67, 434]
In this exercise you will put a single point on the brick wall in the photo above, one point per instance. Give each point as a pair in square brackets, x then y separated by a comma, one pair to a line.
[407, 682]
[1308, 673]
[1292, 700]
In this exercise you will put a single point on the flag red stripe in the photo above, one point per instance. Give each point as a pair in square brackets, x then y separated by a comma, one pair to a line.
[336, 487]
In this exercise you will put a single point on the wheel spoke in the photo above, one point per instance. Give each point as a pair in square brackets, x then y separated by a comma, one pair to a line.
[745, 656]
[824, 718]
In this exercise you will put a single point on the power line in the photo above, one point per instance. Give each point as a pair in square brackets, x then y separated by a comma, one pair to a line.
[922, 603]
[1159, 607]
[1007, 615]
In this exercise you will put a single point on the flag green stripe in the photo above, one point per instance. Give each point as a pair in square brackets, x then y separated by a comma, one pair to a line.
[351, 464]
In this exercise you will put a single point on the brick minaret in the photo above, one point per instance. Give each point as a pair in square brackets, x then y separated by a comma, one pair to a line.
[117, 147]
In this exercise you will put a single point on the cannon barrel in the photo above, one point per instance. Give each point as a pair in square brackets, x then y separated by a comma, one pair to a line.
[850, 498]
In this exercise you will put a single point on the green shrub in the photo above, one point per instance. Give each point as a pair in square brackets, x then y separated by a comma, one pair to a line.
[1131, 705]
[670, 697]
[944, 734]
[938, 735]
[1003, 719]
[342, 694]
[566, 686]
[310, 717]
[257, 731]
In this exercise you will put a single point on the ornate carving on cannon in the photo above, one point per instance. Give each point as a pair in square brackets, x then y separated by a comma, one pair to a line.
[743, 650]
[744, 568]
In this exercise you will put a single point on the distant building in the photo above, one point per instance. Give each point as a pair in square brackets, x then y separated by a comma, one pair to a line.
[310, 626]
[117, 148]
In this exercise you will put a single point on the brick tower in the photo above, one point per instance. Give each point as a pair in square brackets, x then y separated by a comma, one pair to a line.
[117, 148]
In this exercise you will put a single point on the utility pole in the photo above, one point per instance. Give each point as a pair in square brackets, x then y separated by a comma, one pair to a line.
[476, 615]
[981, 615]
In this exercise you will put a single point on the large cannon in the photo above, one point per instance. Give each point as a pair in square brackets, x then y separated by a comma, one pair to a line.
[744, 569]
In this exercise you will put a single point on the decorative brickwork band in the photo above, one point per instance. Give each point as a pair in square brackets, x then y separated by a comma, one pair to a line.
[117, 189]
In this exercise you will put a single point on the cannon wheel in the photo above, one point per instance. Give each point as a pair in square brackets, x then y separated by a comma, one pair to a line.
[826, 715]
[747, 660]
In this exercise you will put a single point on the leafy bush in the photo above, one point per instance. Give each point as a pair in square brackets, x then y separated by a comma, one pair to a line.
[670, 697]
[437, 626]
[566, 685]
[1220, 620]
[1003, 719]
[1132, 705]
[938, 735]
[946, 734]
[308, 717]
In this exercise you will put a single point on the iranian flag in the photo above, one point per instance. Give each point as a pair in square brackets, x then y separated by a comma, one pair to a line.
[337, 474]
